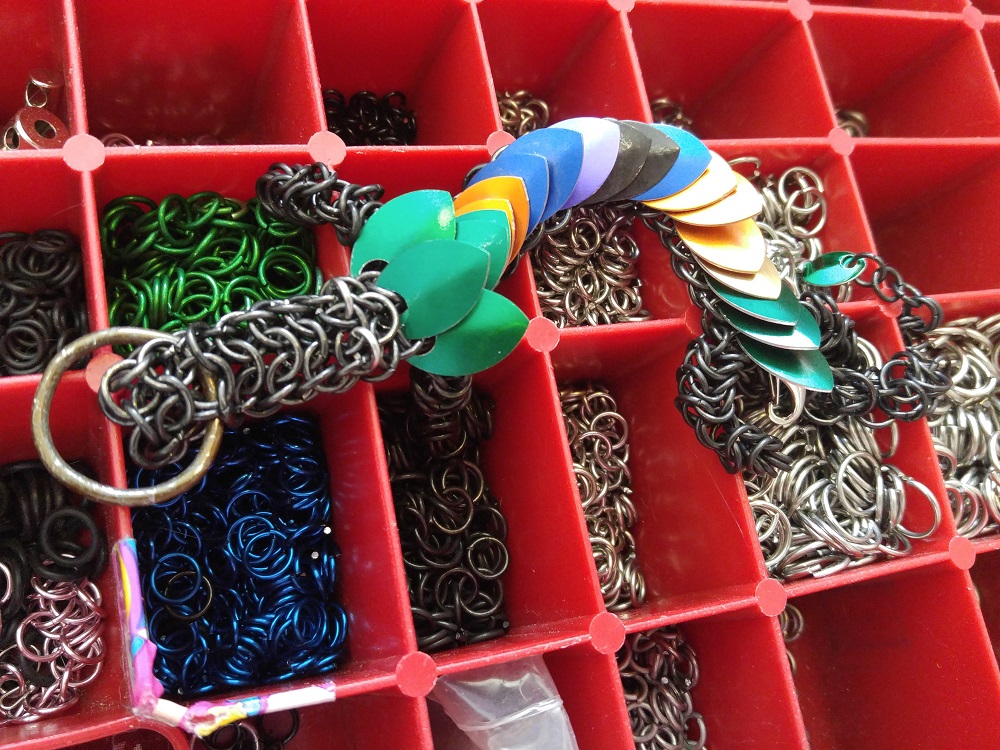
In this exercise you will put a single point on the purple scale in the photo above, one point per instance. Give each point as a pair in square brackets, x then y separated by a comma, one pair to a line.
[600, 151]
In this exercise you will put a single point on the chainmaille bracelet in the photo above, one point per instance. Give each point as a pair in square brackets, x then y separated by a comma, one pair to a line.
[423, 271]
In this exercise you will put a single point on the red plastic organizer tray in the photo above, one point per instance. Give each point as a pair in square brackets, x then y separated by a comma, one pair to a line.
[899, 654]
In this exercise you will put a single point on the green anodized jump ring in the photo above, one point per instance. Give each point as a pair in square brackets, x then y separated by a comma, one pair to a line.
[171, 208]
[285, 265]
[186, 260]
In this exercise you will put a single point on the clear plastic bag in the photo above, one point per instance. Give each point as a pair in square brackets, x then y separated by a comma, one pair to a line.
[510, 706]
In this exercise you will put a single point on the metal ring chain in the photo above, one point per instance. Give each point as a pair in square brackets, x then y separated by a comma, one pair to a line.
[822, 498]
[521, 112]
[792, 623]
[452, 529]
[598, 443]
[965, 425]
[586, 272]
[277, 353]
[666, 111]
[60, 640]
[716, 370]
[658, 671]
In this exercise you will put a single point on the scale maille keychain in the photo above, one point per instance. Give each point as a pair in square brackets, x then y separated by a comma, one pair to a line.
[424, 267]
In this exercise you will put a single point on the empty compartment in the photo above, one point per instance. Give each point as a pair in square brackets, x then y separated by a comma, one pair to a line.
[80, 434]
[34, 37]
[198, 72]
[990, 33]
[986, 582]
[574, 56]
[694, 539]
[549, 587]
[931, 211]
[988, 6]
[877, 6]
[911, 76]
[923, 628]
[737, 72]
[430, 51]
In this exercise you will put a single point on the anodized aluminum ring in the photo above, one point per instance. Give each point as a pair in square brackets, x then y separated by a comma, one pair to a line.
[83, 485]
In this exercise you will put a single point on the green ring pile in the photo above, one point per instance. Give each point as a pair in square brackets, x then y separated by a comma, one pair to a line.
[191, 260]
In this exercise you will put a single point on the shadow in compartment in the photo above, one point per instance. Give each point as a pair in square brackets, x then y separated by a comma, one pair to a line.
[735, 72]
[573, 56]
[922, 626]
[921, 199]
[909, 77]
[241, 74]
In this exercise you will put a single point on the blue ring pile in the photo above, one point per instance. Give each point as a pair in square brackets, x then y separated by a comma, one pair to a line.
[238, 573]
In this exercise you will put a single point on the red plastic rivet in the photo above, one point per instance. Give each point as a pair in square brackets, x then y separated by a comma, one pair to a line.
[961, 552]
[416, 674]
[623, 5]
[841, 141]
[771, 597]
[328, 148]
[97, 366]
[542, 334]
[892, 310]
[83, 152]
[973, 18]
[607, 633]
[801, 9]
[497, 140]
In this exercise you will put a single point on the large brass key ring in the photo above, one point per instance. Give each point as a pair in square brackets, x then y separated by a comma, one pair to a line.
[84, 485]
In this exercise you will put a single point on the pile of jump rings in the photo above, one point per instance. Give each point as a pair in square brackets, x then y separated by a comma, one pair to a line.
[521, 112]
[965, 425]
[658, 672]
[823, 497]
[255, 734]
[598, 443]
[190, 260]
[42, 301]
[51, 613]
[238, 573]
[668, 112]
[452, 530]
[853, 121]
[586, 270]
[36, 124]
[367, 119]
[791, 623]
